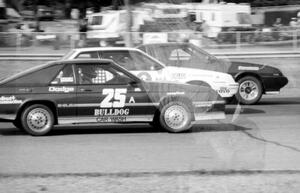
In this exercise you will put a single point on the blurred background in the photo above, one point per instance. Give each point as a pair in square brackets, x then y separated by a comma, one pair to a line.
[39, 26]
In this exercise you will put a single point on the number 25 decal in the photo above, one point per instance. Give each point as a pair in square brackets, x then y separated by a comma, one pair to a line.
[118, 94]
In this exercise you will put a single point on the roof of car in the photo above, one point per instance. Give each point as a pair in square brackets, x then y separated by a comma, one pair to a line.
[105, 49]
[76, 61]
[49, 64]
[166, 43]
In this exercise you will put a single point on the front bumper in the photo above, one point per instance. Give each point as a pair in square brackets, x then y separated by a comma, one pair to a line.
[274, 83]
[227, 90]
[209, 110]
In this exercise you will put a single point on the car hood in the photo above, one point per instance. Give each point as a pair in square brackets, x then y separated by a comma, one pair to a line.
[237, 67]
[242, 66]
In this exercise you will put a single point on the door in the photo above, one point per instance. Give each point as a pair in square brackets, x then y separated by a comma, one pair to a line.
[106, 94]
[63, 91]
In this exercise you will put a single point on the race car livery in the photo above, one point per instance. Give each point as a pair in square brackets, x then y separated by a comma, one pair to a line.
[101, 92]
[254, 79]
[150, 69]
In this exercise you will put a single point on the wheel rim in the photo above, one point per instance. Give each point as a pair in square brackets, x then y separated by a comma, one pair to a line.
[39, 120]
[176, 117]
[248, 90]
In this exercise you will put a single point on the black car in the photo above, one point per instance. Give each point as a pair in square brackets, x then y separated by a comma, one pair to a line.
[100, 91]
[254, 79]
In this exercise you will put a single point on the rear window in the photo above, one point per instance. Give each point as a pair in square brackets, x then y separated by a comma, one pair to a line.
[40, 77]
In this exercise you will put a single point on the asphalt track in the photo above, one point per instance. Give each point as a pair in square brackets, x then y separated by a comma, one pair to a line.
[255, 149]
[263, 137]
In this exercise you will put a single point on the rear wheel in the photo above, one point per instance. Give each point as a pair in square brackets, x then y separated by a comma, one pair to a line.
[175, 117]
[250, 90]
[37, 119]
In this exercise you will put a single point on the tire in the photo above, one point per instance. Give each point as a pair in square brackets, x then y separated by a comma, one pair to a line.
[250, 90]
[37, 120]
[175, 117]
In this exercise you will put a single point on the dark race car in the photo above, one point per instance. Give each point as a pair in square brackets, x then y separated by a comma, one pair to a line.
[100, 91]
[254, 79]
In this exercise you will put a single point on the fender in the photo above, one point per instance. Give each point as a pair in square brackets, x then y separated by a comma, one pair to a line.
[199, 82]
[50, 103]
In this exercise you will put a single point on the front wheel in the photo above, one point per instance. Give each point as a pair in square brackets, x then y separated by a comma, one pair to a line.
[175, 117]
[250, 90]
[37, 120]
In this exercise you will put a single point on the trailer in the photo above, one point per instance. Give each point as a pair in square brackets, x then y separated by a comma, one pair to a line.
[221, 17]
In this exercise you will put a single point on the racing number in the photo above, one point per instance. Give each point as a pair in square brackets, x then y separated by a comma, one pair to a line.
[119, 96]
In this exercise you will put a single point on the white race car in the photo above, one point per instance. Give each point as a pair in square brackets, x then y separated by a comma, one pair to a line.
[150, 69]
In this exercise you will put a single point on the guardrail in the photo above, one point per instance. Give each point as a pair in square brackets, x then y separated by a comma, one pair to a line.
[287, 37]
[229, 55]
[282, 54]
[33, 57]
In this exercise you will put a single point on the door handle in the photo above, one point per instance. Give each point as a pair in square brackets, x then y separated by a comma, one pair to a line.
[85, 90]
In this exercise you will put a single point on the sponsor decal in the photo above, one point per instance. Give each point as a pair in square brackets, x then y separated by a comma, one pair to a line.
[114, 98]
[9, 100]
[179, 75]
[111, 112]
[248, 68]
[131, 100]
[144, 76]
[66, 105]
[113, 119]
[66, 79]
[223, 90]
[64, 89]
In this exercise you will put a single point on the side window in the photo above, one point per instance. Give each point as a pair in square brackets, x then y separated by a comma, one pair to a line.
[179, 54]
[131, 60]
[143, 62]
[123, 58]
[94, 74]
[65, 76]
[87, 55]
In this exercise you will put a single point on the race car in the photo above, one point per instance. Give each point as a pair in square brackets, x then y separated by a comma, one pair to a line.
[254, 79]
[101, 92]
[150, 69]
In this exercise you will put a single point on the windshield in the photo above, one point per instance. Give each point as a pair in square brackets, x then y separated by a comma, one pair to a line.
[132, 60]
[186, 55]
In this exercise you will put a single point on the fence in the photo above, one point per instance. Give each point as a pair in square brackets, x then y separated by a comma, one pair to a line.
[260, 40]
